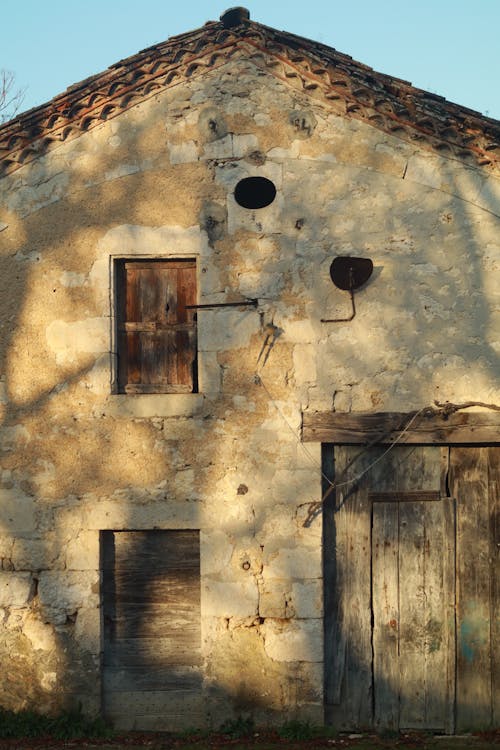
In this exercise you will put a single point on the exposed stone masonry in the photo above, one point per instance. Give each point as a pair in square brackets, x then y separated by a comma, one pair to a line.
[77, 458]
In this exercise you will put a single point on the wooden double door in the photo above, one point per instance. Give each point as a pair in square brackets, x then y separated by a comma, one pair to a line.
[412, 588]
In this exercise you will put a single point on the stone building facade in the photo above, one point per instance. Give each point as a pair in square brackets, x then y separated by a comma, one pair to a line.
[141, 165]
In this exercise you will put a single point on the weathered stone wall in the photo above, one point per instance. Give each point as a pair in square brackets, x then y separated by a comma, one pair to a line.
[76, 458]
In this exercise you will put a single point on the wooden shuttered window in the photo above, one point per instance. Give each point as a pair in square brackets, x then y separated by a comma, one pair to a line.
[156, 334]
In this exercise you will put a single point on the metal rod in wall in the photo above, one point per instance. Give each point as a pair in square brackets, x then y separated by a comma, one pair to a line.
[252, 302]
[343, 320]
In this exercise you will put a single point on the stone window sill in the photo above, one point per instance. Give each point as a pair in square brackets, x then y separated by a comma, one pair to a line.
[151, 405]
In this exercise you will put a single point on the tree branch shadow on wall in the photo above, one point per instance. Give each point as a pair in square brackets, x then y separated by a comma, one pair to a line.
[88, 482]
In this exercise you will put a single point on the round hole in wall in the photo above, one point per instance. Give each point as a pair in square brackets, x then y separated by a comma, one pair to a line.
[255, 192]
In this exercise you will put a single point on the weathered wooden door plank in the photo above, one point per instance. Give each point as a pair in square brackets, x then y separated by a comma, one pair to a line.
[350, 681]
[494, 512]
[150, 653]
[448, 553]
[406, 497]
[151, 551]
[438, 537]
[155, 711]
[172, 677]
[385, 597]
[469, 471]
[412, 616]
[158, 624]
[153, 589]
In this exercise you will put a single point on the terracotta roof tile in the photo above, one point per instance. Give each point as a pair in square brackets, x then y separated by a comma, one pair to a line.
[387, 103]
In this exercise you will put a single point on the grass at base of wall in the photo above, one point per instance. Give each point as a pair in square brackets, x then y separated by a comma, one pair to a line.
[66, 725]
[72, 729]
[271, 740]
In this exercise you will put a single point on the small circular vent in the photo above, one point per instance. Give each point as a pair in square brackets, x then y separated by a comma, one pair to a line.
[255, 192]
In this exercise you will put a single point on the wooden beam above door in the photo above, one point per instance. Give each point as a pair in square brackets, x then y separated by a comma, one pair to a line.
[386, 427]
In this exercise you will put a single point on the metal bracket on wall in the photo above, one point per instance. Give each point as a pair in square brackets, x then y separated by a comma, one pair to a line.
[349, 274]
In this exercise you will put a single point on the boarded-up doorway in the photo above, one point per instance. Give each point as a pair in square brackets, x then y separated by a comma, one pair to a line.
[151, 629]
[412, 598]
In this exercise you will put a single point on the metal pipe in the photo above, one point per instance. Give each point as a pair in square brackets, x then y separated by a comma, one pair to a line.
[252, 302]
[343, 320]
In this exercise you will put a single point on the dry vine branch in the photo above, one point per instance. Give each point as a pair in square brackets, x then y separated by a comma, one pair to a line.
[447, 408]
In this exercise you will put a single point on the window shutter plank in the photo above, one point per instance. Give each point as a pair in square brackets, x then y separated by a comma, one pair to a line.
[137, 388]
[186, 340]
[150, 350]
[187, 294]
[132, 285]
[133, 353]
[186, 352]
[169, 278]
[138, 327]
[149, 294]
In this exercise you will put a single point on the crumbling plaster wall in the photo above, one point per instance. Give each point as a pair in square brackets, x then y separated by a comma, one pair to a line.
[77, 458]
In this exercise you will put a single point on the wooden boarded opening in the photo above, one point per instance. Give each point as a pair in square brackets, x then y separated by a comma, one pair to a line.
[412, 571]
[411, 588]
[156, 334]
[151, 629]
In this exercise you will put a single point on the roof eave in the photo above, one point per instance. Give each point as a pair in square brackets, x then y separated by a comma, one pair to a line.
[387, 103]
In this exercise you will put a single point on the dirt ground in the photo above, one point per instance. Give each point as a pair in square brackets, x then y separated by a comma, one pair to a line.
[263, 741]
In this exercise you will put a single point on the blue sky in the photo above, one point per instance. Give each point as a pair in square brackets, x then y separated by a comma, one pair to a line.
[449, 47]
